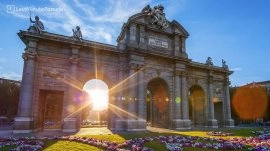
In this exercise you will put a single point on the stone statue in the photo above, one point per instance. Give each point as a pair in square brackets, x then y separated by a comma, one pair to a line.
[224, 66]
[37, 26]
[209, 61]
[77, 33]
[156, 16]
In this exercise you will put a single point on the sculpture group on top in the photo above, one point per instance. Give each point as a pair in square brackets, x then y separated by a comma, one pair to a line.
[224, 65]
[37, 26]
[209, 61]
[77, 34]
[156, 16]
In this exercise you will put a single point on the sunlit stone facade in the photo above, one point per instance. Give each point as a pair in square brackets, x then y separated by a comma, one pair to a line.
[152, 80]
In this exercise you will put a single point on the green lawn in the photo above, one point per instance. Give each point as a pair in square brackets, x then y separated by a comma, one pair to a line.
[68, 146]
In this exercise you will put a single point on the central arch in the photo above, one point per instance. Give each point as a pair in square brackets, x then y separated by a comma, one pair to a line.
[96, 100]
[197, 105]
[157, 103]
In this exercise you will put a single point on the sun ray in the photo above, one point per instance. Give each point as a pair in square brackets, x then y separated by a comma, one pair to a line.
[96, 66]
[124, 80]
[121, 110]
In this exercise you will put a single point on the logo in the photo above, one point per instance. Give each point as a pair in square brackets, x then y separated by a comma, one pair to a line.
[10, 9]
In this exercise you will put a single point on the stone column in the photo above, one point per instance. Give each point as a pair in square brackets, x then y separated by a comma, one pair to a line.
[229, 122]
[132, 35]
[142, 43]
[212, 122]
[70, 108]
[183, 47]
[177, 122]
[122, 43]
[132, 99]
[23, 123]
[176, 45]
[185, 104]
[141, 100]
[120, 121]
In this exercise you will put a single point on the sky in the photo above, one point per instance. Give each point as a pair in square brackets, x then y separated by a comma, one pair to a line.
[234, 30]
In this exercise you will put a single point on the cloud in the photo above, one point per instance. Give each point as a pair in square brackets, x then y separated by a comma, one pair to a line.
[116, 11]
[11, 75]
[99, 21]
[236, 69]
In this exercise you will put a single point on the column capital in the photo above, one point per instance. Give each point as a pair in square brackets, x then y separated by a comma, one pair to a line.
[183, 38]
[177, 73]
[29, 55]
[184, 74]
[74, 60]
[227, 82]
[210, 77]
[210, 80]
[135, 66]
[75, 49]
[123, 67]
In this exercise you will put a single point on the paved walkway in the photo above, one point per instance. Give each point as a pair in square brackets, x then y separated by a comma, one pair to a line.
[94, 131]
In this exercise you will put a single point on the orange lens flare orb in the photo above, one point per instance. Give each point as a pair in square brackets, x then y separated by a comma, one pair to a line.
[250, 102]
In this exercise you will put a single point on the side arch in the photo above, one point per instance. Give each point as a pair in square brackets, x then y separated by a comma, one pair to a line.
[197, 105]
[158, 97]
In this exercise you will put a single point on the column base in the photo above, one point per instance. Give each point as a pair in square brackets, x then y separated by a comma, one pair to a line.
[142, 124]
[178, 124]
[23, 125]
[69, 125]
[136, 125]
[120, 125]
[229, 123]
[212, 123]
[186, 124]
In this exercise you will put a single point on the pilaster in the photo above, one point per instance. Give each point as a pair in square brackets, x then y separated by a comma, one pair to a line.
[132, 99]
[176, 45]
[177, 121]
[183, 47]
[212, 122]
[71, 120]
[141, 101]
[185, 104]
[229, 122]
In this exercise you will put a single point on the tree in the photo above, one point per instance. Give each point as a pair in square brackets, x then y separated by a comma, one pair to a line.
[9, 98]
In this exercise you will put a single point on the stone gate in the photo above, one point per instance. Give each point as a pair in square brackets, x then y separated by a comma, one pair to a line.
[151, 79]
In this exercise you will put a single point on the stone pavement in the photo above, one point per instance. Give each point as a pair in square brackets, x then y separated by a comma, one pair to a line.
[95, 131]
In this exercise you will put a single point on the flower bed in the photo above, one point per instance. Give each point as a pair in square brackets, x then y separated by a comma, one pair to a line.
[173, 143]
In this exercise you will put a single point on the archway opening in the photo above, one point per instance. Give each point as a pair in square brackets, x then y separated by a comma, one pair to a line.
[96, 103]
[50, 109]
[197, 106]
[157, 103]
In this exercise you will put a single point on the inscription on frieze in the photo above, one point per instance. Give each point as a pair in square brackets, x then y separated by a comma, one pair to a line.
[155, 41]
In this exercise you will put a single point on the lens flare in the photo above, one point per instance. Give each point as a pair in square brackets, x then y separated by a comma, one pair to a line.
[99, 99]
[250, 102]
[98, 94]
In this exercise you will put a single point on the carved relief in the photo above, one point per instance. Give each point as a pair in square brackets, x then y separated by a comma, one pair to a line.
[53, 73]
